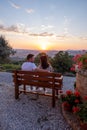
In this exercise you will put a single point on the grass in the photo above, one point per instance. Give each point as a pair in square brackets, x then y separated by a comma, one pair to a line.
[9, 67]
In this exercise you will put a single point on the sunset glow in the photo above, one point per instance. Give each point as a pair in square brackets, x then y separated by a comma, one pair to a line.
[44, 47]
[44, 25]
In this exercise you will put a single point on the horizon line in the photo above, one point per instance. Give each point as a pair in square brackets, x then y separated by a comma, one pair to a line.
[51, 49]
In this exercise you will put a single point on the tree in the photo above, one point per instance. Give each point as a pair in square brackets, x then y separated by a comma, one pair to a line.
[5, 49]
[62, 62]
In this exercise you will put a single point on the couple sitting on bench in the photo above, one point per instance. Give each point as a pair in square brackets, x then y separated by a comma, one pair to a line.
[44, 65]
[39, 77]
[29, 65]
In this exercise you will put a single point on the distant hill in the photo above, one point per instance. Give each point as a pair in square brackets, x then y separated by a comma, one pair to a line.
[22, 53]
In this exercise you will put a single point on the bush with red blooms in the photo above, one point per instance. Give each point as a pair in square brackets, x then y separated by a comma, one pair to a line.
[80, 62]
[70, 100]
[75, 109]
[82, 110]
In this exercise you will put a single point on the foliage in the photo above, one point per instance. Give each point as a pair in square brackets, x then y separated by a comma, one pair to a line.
[62, 62]
[5, 49]
[80, 62]
[82, 113]
[75, 85]
[10, 67]
[71, 99]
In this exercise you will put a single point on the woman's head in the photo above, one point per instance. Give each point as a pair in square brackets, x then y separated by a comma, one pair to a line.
[44, 62]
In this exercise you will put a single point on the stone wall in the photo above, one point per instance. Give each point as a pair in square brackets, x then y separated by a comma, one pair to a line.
[81, 83]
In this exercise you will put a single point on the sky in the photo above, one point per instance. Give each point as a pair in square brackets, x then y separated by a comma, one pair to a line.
[44, 24]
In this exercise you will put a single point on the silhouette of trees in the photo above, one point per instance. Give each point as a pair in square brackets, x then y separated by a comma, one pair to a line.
[5, 50]
[62, 62]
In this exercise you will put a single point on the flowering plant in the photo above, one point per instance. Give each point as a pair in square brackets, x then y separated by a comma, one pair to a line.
[82, 112]
[71, 100]
[80, 62]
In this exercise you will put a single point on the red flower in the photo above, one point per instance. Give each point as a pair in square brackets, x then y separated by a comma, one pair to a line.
[85, 97]
[76, 93]
[76, 101]
[75, 109]
[80, 65]
[72, 69]
[68, 92]
[65, 104]
[75, 58]
[86, 60]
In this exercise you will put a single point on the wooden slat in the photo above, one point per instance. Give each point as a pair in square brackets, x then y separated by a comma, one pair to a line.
[36, 73]
[39, 84]
[36, 78]
[58, 80]
[57, 74]
[42, 94]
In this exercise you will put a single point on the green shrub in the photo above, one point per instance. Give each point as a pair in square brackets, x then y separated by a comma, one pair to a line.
[10, 67]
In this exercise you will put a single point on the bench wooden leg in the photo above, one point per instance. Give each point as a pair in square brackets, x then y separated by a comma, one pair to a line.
[16, 91]
[53, 97]
[24, 89]
[56, 92]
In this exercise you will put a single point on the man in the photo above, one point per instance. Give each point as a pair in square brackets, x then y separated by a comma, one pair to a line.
[29, 65]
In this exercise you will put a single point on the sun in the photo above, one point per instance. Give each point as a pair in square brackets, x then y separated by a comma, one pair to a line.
[43, 44]
[43, 47]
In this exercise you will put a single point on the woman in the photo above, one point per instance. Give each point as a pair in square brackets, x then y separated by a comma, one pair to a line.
[44, 64]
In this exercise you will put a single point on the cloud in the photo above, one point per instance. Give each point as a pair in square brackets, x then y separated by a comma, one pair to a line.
[16, 6]
[18, 28]
[45, 27]
[12, 28]
[83, 38]
[62, 37]
[30, 11]
[44, 34]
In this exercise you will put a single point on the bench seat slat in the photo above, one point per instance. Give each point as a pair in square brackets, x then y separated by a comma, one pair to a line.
[36, 78]
[36, 83]
[35, 73]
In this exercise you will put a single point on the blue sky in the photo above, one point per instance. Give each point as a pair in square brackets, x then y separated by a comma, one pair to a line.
[59, 24]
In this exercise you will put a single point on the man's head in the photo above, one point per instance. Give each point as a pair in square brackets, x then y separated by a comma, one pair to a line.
[30, 57]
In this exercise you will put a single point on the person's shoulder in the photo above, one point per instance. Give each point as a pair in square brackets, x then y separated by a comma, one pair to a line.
[24, 63]
[32, 63]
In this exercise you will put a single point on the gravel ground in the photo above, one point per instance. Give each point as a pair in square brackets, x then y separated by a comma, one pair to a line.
[29, 113]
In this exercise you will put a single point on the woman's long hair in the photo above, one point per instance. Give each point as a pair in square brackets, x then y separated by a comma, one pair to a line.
[44, 62]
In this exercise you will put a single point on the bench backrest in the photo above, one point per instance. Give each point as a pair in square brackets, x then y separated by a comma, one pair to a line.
[41, 79]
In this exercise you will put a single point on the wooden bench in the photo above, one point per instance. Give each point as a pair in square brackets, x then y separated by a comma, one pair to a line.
[37, 79]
